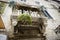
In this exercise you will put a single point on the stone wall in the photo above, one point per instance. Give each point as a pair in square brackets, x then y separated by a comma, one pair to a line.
[6, 19]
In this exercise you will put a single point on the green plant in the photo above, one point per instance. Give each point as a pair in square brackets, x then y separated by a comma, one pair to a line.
[2, 7]
[25, 18]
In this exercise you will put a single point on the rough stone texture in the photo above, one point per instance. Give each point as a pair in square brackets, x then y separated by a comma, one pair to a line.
[54, 13]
